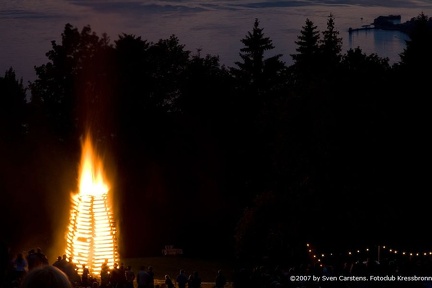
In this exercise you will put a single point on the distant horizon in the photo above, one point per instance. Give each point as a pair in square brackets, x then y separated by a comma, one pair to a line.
[214, 27]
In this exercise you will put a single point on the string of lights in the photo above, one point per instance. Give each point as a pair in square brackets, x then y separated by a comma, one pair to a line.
[378, 251]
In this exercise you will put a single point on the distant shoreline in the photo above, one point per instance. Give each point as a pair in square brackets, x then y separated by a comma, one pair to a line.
[390, 22]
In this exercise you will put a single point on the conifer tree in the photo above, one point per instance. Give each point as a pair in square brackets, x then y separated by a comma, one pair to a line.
[308, 44]
[258, 80]
[305, 61]
[256, 72]
[331, 46]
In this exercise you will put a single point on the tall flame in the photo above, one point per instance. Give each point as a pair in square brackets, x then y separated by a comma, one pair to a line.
[91, 236]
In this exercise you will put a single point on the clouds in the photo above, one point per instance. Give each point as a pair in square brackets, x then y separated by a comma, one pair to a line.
[51, 9]
[33, 10]
[140, 7]
[187, 6]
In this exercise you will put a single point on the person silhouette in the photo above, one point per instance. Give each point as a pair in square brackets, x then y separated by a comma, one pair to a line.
[220, 280]
[168, 282]
[182, 279]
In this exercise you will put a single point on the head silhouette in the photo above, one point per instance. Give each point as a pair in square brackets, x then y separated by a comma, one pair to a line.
[46, 276]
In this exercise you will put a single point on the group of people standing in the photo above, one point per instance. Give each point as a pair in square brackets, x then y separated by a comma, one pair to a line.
[191, 281]
[145, 279]
[69, 268]
[194, 280]
[119, 276]
[22, 263]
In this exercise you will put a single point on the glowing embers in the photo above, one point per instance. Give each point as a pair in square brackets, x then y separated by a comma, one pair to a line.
[91, 237]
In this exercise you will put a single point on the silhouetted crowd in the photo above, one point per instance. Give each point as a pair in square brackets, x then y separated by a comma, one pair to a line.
[33, 265]
[348, 273]
[18, 267]
[402, 272]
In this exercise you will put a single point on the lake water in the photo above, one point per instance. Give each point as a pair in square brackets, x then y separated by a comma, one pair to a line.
[27, 27]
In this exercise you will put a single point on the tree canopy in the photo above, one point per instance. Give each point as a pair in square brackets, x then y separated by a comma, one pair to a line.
[265, 154]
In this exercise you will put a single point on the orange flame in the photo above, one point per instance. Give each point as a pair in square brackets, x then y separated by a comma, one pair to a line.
[91, 237]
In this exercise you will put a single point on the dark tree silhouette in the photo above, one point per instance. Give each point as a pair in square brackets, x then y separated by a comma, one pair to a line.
[189, 131]
[172, 108]
[258, 79]
[331, 48]
[148, 90]
[306, 59]
[255, 73]
[13, 106]
[416, 54]
[133, 87]
[206, 89]
[410, 117]
[413, 75]
[415, 60]
[63, 84]
[168, 59]
[270, 229]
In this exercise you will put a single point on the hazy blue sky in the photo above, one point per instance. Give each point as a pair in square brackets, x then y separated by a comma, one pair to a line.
[27, 27]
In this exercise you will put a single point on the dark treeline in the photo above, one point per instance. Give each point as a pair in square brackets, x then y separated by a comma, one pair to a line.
[255, 159]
